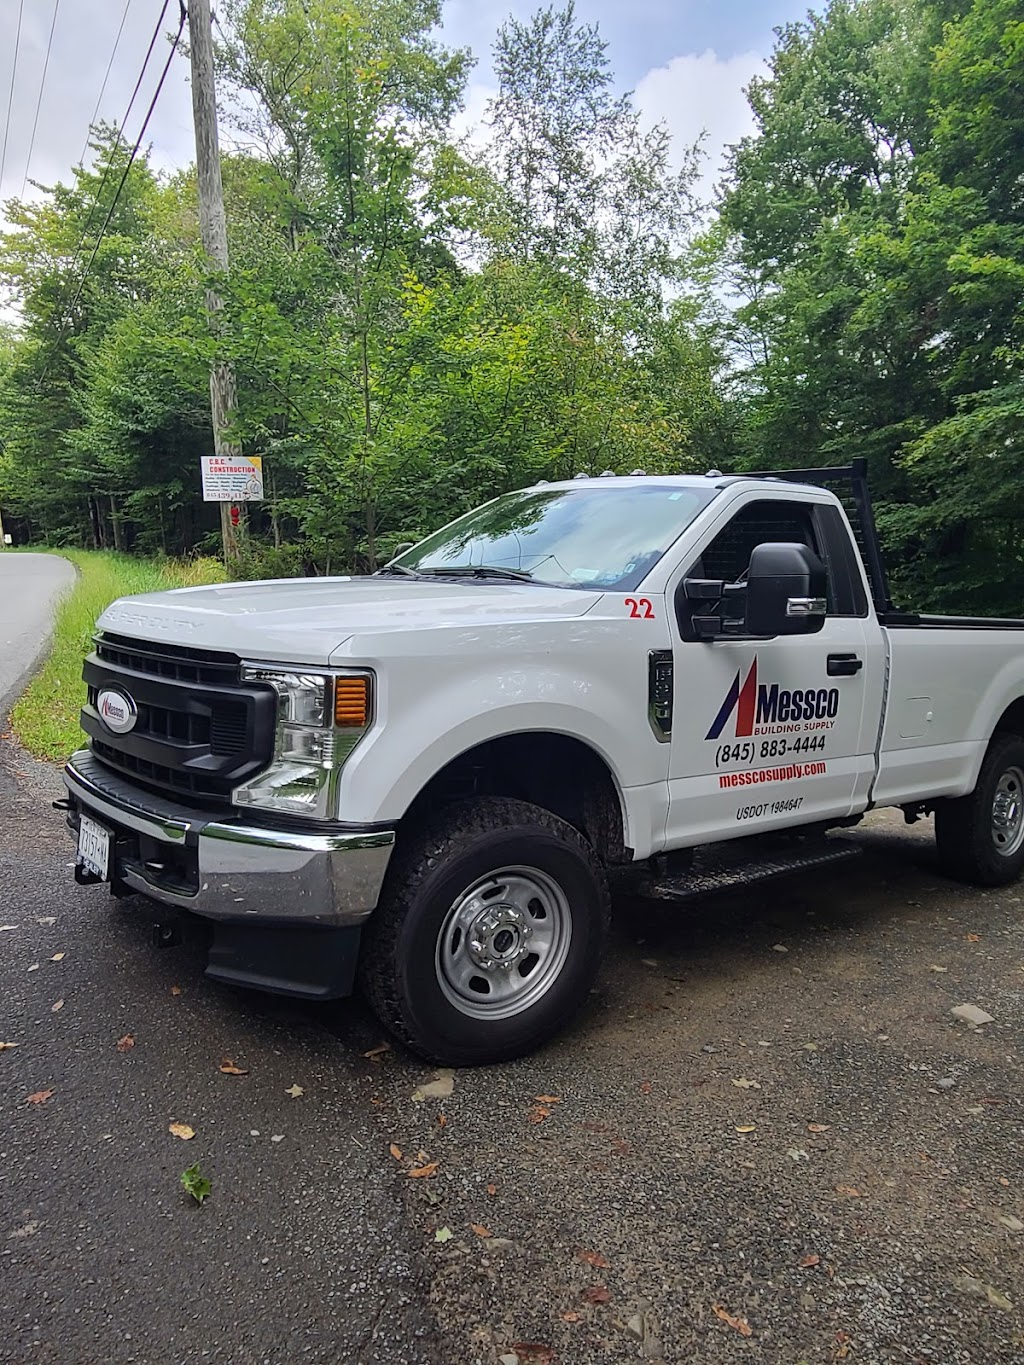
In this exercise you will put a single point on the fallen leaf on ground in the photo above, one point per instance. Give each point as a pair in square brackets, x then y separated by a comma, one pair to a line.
[533, 1353]
[34, 967]
[40, 1097]
[175, 990]
[597, 1293]
[125, 1044]
[395, 1151]
[295, 1091]
[442, 1120]
[935, 968]
[423, 1171]
[973, 938]
[810, 1260]
[809, 1047]
[195, 1183]
[443, 1235]
[744, 1084]
[746, 1127]
[480, 1230]
[5, 927]
[377, 1051]
[57, 1005]
[538, 1114]
[47, 919]
[848, 1192]
[548, 1099]
[594, 1258]
[570, 1317]
[492, 1190]
[818, 1127]
[58, 957]
[843, 1344]
[5, 1046]
[229, 1068]
[645, 1087]
[182, 1130]
[440, 1088]
[740, 1325]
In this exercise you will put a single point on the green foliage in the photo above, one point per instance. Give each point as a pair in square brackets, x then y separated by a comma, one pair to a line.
[195, 1183]
[877, 244]
[416, 327]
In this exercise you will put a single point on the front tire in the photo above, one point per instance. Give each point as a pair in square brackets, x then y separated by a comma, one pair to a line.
[488, 935]
[980, 837]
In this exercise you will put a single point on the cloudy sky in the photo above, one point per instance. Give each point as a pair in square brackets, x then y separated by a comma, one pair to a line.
[687, 60]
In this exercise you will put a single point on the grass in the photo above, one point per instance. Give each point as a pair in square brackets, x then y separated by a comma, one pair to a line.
[46, 716]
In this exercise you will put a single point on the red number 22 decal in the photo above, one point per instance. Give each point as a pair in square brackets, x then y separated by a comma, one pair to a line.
[642, 610]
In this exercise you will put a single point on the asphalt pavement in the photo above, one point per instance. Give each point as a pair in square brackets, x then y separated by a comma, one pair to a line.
[29, 586]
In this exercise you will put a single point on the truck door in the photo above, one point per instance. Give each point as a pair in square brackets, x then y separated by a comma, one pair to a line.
[778, 732]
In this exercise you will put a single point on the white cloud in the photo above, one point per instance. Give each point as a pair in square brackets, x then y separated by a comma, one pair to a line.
[701, 92]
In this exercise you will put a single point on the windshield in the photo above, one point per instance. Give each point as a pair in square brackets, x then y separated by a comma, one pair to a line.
[608, 538]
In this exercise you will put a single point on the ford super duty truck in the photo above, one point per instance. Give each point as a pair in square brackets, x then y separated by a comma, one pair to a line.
[424, 779]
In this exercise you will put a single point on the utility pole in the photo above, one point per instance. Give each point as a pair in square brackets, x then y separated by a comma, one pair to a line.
[214, 231]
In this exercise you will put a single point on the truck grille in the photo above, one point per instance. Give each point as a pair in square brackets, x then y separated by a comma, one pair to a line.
[198, 732]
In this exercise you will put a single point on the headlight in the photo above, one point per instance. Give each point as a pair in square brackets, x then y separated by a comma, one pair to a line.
[320, 719]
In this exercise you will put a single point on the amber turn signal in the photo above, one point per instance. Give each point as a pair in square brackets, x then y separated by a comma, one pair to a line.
[352, 703]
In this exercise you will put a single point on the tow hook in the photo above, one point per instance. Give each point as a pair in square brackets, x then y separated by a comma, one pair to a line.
[166, 935]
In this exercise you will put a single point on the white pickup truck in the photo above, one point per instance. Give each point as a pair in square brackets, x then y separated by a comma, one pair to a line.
[423, 779]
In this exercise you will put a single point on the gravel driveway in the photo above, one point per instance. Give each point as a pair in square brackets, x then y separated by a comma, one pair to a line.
[767, 1139]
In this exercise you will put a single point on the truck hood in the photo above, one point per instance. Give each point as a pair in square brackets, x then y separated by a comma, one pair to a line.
[303, 620]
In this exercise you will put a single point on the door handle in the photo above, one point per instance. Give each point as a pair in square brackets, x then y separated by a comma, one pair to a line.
[843, 665]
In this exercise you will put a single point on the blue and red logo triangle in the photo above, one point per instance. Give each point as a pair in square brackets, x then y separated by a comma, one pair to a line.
[742, 700]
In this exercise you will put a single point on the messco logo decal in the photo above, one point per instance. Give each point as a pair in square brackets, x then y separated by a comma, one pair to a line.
[768, 709]
[117, 711]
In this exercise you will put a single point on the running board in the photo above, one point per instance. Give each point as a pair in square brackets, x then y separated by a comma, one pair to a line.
[723, 868]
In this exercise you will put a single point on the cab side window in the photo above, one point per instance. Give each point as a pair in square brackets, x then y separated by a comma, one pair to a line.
[727, 557]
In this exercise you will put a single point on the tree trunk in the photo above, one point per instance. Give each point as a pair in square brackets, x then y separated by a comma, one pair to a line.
[116, 523]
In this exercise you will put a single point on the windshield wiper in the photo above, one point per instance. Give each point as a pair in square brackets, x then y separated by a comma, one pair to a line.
[481, 571]
[399, 569]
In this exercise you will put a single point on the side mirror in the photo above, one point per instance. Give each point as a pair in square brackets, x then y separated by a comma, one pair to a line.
[787, 590]
[401, 548]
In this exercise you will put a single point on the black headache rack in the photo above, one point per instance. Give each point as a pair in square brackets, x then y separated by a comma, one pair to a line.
[850, 484]
[853, 493]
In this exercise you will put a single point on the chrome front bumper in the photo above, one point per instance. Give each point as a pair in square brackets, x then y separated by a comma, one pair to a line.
[242, 872]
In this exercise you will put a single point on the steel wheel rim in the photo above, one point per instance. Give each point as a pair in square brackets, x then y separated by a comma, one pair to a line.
[503, 943]
[1008, 813]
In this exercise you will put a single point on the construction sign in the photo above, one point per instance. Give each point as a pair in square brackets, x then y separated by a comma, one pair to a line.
[232, 478]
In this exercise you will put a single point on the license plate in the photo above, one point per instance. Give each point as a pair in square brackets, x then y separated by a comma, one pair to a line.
[94, 847]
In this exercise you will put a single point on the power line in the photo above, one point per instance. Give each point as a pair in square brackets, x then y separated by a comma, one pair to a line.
[106, 77]
[61, 310]
[39, 101]
[117, 192]
[10, 97]
[120, 127]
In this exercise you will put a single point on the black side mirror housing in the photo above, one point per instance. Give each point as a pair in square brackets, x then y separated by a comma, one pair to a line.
[787, 590]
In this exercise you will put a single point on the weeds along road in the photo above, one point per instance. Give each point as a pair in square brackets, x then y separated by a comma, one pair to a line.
[29, 586]
[767, 1139]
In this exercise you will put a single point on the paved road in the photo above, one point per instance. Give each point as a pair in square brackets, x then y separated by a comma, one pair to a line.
[29, 586]
[766, 1120]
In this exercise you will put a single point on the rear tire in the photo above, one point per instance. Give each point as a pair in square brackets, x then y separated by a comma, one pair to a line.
[980, 837]
[488, 935]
